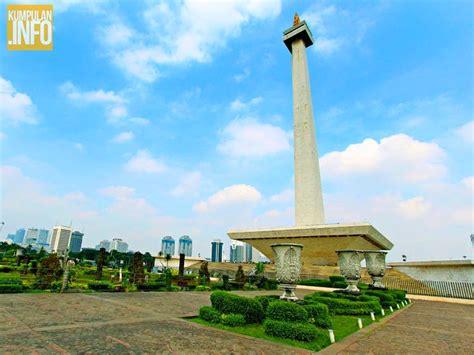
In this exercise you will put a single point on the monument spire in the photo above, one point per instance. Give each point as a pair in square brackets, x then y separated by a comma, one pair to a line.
[309, 209]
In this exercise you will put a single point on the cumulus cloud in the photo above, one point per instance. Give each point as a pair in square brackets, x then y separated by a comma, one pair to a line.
[286, 196]
[466, 132]
[229, 196]
[399, 156]
[249, 138]
[118, 192]
[238, 105]
[123, 137]
[69, 90]
[189, 184]
[140, 121]
[187, 31]
[16, 107]
[143, 162]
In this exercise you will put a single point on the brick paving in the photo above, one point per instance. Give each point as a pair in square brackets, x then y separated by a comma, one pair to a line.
[136, 323]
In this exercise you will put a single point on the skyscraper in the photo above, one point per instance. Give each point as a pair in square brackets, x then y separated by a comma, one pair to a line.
[119, 245]
[31, 236]
[237, 252]
[43, 235]
[60, 239]
[76, 242]
[216, 251]
[103, 244]
[185, 245]
[248, 253]
[167, 245]
[20, 236]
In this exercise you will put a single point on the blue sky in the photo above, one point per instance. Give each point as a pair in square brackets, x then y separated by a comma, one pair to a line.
[153, 118]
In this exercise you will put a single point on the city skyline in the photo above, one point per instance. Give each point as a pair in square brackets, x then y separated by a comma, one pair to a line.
[194, 137]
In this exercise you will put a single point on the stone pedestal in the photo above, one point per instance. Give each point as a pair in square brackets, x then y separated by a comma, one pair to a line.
[349, 264]
[375, 261]
[287, 258]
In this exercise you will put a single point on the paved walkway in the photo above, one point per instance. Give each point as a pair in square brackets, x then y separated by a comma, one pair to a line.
[135, 323]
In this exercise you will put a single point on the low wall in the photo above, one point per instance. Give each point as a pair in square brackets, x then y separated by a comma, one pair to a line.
[450, 270]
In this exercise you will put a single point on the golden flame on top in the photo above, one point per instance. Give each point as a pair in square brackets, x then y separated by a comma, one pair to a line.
[296, 19]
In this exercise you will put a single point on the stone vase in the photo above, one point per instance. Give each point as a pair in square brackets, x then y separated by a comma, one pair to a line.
[349, 264]
[287, 258]
[375, 261]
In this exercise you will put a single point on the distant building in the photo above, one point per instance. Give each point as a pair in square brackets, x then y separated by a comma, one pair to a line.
[119, 245]
[186, 245]
[248, 253]
[60, 239]
[103, 244]
[31, 236]
[19, 236]
[167, 245]
[216, 251]
[237, 252]
[11, 237]
[76, 242]
[43, 235]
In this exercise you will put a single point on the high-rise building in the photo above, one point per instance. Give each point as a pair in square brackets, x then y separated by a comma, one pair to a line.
[119, 245]
[20, 236]
[43, 235]
[31, 236]
[103, 244]
[167, 245]
[248, 253]
[185, 245]
[237, 252]
[76, 242]
[60, 239]
[216, 251]
[11, 237]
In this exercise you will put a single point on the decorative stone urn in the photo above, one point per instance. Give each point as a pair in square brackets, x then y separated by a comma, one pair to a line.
[287, 258]
[375, 261]
[349, 264]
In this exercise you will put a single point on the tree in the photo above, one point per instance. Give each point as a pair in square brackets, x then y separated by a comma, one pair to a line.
[204, 273]
[168, 258]
[149, 261]
[240, 276]
[50, 270]
[100, 263]
[136, 272]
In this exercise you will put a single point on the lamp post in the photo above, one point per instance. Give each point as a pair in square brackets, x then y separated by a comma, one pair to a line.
[120, 271]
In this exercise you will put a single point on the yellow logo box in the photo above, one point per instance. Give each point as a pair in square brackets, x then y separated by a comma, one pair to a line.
[30, 27]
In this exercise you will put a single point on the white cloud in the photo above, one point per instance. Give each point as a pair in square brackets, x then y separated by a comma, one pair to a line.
[2, 136]
[468, 182]
[143, 162]
[116, 34]
[466, 132]
[69, 90]
[229, 196]
[79, 146]
[242, 76]
[188, 31]
[16, 107]
[238, 105]
[139, 121]
[395, 157]
[118, 192]
[286, 196]
[123, 137]
[189, 184]
[247, 137]
[414, 208]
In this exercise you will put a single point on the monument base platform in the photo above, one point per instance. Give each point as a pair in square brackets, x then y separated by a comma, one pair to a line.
[320, 242]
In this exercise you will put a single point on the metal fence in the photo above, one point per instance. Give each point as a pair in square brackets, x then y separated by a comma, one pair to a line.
[451, 289]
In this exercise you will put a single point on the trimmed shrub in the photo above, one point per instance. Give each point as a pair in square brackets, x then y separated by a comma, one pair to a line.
[339, 284]
[151, 286]
[174, 288]
[11, 281]
[316, 282]
[399, 295]
[265, 300]
[6, 269]
[270, 284]
[56, 286]
[318, 314]
[11, 288]
[286, 311]
[210, 314]
[229, 303]
[233, 320]
[99, 286]
[202, 288]
[339, 303]
[386, 299]
[249, 287]
[363, 286]
[290, 330]
[337, 278]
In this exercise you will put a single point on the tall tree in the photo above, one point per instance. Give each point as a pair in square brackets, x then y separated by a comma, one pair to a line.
[50, 270]
[136, 271]
[100, 263]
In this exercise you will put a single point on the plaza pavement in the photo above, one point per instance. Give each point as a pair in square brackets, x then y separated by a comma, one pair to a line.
[137, 323]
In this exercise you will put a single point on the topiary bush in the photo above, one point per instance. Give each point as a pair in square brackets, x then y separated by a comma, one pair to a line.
[340, 303]
[286, 311]
[337, 278]
[11, 288]
[339, 284]
[399, 295]
[152, 286]
[316, 282]
[202, 288]
[210, 314]
[265, 300]
[249, 287]
[229, 303]
[233, 320]
[99, 286]
[56, 286]
[318, 314]
[386, 299]
[290, 330]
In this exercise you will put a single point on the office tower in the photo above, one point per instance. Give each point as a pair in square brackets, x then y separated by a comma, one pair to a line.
[119, 245]
[167, 245]
[19, 236]
[185, 245]
[248, 253]
[43, 235]
[76, 242]
[103, 244]
[31, 236]
[216, 251]
[237, 252]
[60, 239]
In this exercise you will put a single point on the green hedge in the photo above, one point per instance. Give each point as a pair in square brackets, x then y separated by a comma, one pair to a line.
[56, 286]
[386, 299]
[337, 278]
[11, 281]
[318, 314]
[286, 311]
[228, 303]
[202, 288]
[399, 295]
[290, 330]
[345, 304]
[11, 288]
[265, 300]
[233, 320]
[99, 286]
[335, 282]
[210, 314]
[7, 269]
[151, 286]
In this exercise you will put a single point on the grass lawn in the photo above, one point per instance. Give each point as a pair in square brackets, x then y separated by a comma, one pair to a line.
[342, 326]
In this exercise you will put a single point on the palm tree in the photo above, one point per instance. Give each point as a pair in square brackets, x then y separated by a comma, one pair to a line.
[168, 258]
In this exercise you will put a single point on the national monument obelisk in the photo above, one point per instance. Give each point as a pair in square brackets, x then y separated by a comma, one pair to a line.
[309, 209]
[320, 240]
